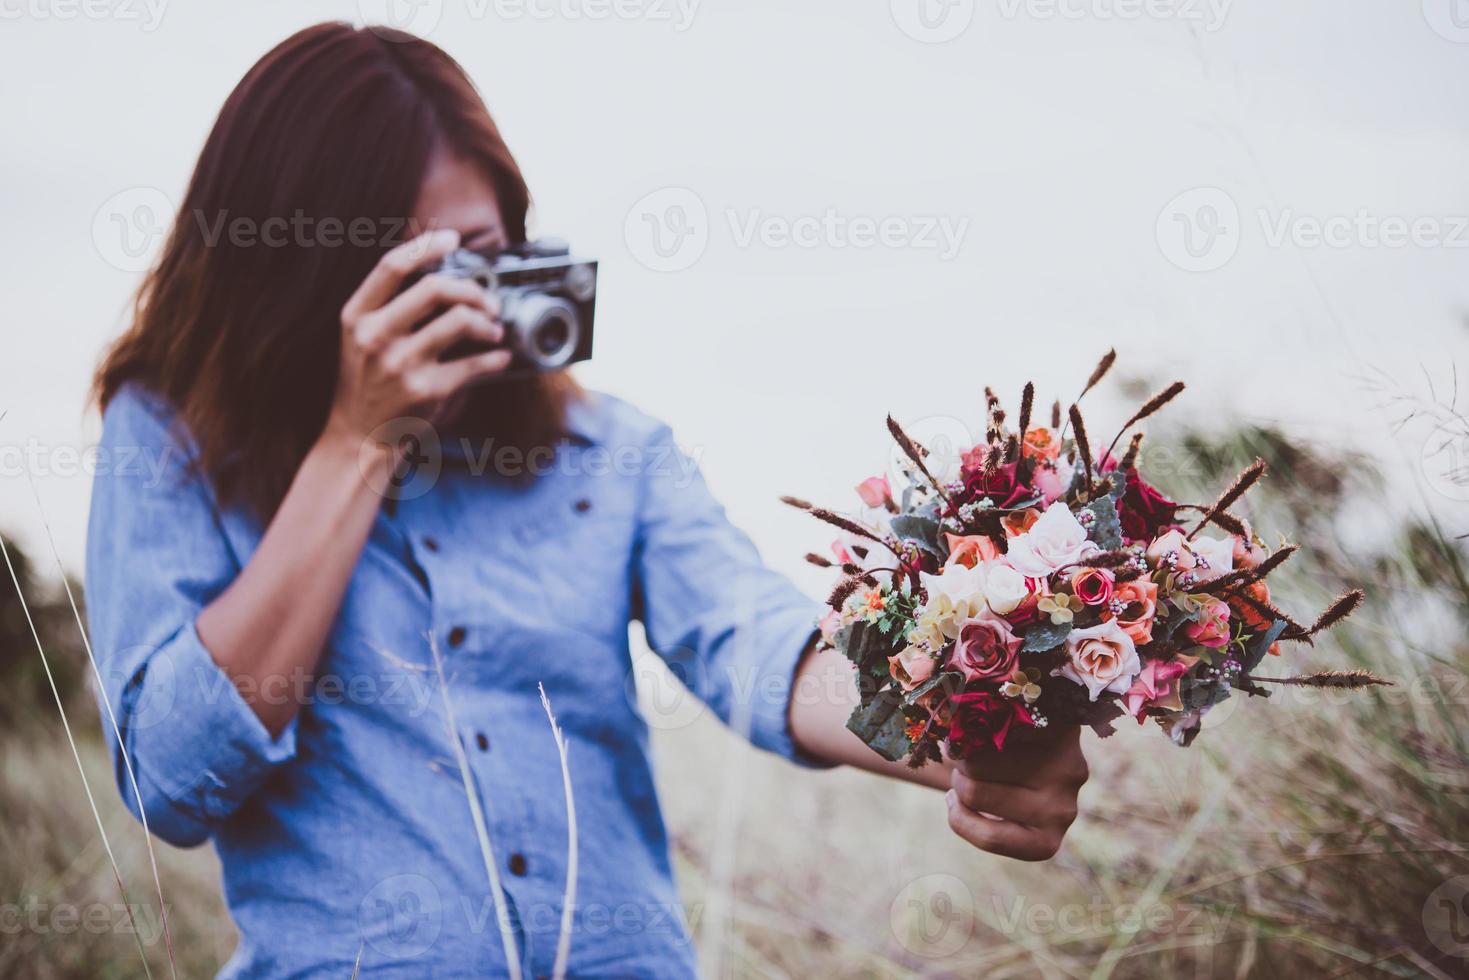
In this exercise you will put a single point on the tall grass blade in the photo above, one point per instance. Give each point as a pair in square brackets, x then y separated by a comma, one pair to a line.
[568, 898]
[481, 830]
[75, 754]
[116, 731]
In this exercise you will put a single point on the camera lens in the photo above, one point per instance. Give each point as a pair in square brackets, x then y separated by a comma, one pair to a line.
[549, 330]
[551, 336]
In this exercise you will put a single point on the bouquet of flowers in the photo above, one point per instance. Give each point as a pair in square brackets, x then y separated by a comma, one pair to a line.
[1050, 584]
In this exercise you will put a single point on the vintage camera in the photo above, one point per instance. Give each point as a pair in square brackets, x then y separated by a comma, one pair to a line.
[547, 301]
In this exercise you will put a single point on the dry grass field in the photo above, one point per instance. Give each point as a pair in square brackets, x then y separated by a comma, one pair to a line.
[1316, 835]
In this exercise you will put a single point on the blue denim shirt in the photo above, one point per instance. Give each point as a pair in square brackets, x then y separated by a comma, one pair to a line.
[352, 830]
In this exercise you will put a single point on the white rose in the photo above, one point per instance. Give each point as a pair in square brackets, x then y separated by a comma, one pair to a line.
[955, 596]
[1004, 588]
[1218, 555]
[1056, 539]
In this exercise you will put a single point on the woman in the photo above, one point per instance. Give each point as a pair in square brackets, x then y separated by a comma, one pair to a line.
[268, 607]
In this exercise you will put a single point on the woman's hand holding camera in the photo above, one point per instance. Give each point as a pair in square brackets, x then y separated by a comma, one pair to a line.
[390, 366]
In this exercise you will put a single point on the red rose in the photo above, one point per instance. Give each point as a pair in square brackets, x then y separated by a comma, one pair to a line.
[1144, 511]
[1002, 485]
[981, 718]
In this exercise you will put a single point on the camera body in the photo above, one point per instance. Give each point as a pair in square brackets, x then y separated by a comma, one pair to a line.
[547, 296]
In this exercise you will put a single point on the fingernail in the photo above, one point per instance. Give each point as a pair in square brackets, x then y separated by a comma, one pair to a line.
[447, 237]
[951, 798]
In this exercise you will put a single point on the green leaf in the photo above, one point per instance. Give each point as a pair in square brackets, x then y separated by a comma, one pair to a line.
[1106, 529]
[1197, 693]
[1259, 645]
[866, 647]
[922, 531]
[951, 680]
[1045, 636]
[881, 725]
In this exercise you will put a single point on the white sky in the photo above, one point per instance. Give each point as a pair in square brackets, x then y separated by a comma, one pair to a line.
[1054, 142]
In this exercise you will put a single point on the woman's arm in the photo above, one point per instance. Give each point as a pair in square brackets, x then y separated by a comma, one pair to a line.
[822, 699]
[1019, 804]
[266, 631]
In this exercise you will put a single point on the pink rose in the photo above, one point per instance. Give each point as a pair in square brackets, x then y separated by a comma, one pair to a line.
[1171, 550]
[1092, 586]
[1100, 658]
[829, 625]
[1047, 479]
[1213, 629]
[986, 649]
[910, 667]
[1156, 687]
[874, 491]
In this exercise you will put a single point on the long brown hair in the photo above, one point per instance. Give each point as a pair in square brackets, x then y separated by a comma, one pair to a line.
[319, 153]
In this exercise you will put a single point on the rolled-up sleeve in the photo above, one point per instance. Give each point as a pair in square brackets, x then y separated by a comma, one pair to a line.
[156, 555]
[732, 629]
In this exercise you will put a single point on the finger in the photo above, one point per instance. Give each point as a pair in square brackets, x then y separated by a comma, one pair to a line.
[412, 306]
[457, 323]
[396, 265]
[1018, 804]
[1001, 837]
[442, 380]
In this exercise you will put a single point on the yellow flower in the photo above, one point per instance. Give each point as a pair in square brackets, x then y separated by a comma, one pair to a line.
[1023, 684]
[1062, 607]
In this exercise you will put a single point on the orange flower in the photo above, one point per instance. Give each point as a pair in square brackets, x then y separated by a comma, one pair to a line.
[875, 601]
[971, 549]
[1040, 444]
[1020, 521]
[1254, 619]
[1139, 599]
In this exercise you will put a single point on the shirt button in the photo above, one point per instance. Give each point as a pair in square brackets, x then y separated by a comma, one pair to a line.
[456, 636]
[583, 505]
[517, 865]
[482, 740]
[431, 543]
